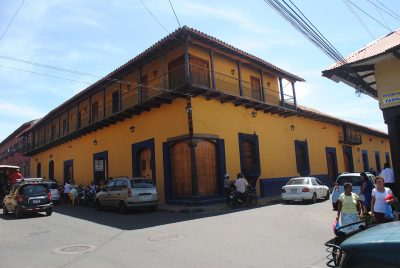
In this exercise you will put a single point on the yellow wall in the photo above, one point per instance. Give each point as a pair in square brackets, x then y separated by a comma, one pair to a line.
[388, 80]
[276, 140]
[160, 124]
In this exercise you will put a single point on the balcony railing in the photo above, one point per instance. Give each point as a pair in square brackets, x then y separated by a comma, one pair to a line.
[175, 82]
[354, 139]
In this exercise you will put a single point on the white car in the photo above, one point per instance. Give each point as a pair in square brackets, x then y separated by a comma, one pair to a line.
[304, 188]
[354, 179]
[55, 192]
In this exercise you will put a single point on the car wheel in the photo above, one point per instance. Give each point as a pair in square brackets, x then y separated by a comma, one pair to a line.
[99, 206]
[122, 207]
[328, 195]
[5, 210]
[49, 212]
[314, 198]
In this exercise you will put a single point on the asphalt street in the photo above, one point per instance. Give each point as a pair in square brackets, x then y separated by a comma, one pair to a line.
[272, 236]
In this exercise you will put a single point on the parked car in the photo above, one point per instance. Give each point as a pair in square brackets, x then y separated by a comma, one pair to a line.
[378, 246]
[304, 188]
[125, 193]
[55, 191]
[354, 179]
[27, 196]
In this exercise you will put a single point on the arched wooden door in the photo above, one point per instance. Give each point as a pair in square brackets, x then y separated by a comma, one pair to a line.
[51, 170]
[181, 169]
[206, 162]
[145, 163]
[346, 162]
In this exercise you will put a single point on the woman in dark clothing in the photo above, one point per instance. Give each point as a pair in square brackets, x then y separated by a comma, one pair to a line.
[365, 193]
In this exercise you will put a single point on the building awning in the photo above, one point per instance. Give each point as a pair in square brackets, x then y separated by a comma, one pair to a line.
[358, 69]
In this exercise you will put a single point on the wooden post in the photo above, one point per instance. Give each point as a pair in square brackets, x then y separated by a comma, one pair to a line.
[164, 74]
[262, 86]
[187, 66]
[294, 96]
[213, 84]
[239, 65]
[77, 117]
[281, 91]
[104, 102]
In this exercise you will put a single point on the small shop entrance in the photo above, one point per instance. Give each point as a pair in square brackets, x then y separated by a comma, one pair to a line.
[100, 167]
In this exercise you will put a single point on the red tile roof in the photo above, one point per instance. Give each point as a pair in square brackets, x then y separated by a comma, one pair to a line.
[376, 48]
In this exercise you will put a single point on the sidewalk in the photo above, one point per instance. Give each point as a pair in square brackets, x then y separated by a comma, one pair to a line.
[212, 208]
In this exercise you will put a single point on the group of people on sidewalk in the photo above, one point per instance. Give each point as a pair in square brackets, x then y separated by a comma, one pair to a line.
[373, 200]
[240, 185]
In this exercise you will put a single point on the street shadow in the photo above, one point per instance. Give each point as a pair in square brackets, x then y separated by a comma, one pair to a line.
[303, 203]
[11, 216]
[133, 220]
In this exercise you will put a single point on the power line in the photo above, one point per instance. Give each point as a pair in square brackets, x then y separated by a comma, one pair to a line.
[174, 13]
[154, 17]
[377, 21]
[389, 10]
[43, 74]
[359, 18]
[12, 19]
[390, 13]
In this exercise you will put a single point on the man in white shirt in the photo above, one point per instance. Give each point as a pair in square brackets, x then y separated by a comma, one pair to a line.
[67, 189]
[241, 185]
[388, 176]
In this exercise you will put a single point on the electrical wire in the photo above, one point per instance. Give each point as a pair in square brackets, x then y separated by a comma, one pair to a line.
[154, 17]
[389, 10]
[359, 18]
[373, 18]
[395, 16]
[176, 17]
[12, 19]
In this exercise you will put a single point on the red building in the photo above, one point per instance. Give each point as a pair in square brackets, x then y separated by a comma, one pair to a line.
[11, 149]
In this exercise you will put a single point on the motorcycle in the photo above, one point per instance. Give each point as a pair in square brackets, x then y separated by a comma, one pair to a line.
[248, 198]
[86, 196]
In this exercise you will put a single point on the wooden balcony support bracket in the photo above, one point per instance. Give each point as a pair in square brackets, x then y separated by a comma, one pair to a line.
[187, 66]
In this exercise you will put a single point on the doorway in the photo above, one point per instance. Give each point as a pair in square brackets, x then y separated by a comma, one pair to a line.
[143, 160]
[145, 163]
[331, 161]
[100, 167]
[348, 159]
[69, 171]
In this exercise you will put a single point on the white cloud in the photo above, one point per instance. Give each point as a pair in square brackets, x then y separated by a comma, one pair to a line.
[19, 110]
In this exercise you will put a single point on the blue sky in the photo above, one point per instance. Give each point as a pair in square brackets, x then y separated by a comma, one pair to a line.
[96, 37]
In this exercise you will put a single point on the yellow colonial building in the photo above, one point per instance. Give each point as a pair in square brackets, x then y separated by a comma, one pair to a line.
[190, 109]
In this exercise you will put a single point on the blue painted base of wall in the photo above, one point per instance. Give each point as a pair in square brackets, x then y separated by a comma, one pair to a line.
[272, 187]
[200, 201]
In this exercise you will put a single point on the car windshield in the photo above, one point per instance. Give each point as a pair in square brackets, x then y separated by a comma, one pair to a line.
[355, 180]
[34, 189]
[142, 183]
[299, 181]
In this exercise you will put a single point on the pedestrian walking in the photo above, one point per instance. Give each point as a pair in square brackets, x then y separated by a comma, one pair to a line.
[348, 208]
[365, 193]
[378, 200]
[67, 190]
[227, 188]
[388, 175]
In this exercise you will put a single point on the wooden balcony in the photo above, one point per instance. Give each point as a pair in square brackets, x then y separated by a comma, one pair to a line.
[185, 80]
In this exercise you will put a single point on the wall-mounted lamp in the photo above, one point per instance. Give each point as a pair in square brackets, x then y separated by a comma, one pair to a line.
[155, 73]
[132, 129]
[232, 71]
[188, 108]
[292, 127]
[382, 141]
[254, 114]
[95, 142]
[69, 146]
[268, 84]
[324, 127]
[370, 139]
[51, 156]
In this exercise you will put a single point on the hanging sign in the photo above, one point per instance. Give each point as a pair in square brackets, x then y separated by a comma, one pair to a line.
[389, 99]
[99, 165]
